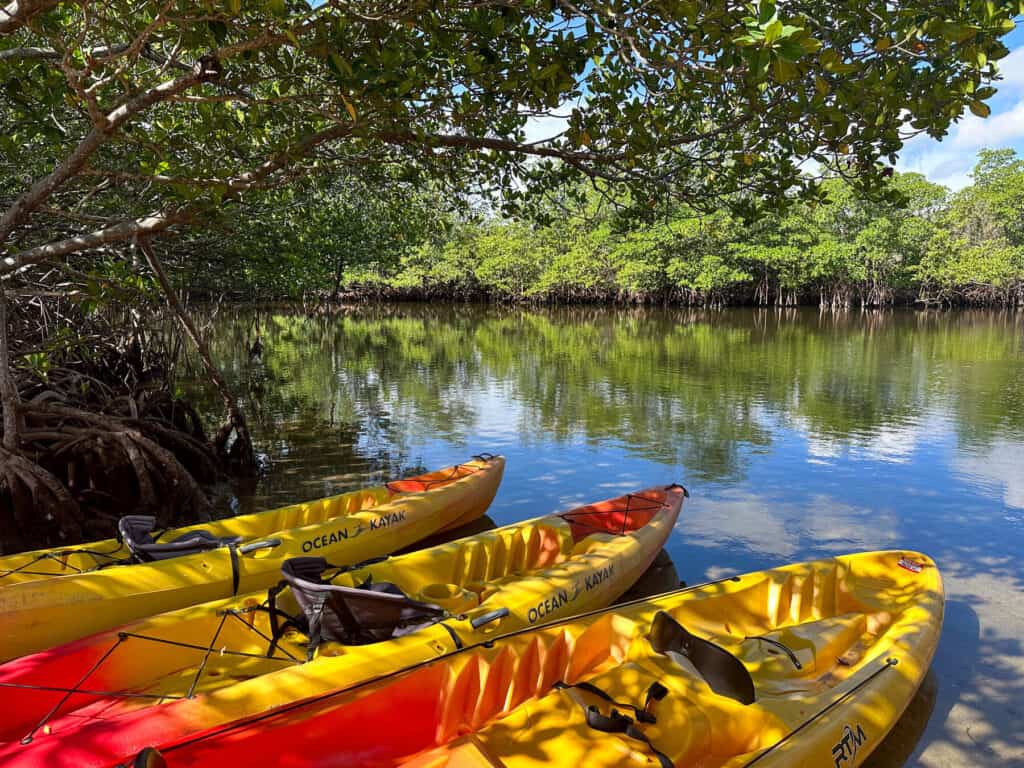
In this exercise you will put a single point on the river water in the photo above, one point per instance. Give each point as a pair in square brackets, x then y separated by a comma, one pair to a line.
[798, 434]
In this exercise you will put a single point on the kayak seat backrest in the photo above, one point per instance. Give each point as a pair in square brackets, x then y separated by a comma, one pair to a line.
[723, 672]
[369, 613]
[137, 533]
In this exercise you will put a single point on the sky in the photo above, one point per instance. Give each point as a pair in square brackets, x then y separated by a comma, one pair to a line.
[947, 162]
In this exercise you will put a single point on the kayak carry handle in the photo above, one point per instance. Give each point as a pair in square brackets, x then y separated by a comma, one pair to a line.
[149, 757]
[252, 546]
[485, 456]
[488, 617]
[686, 493]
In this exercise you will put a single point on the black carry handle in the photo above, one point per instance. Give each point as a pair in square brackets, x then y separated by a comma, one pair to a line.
[488, 617]
[149, 757]
[485, 456]
[252, 546]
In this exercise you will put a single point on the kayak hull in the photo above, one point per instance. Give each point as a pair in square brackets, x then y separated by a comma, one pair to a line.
[56, 609]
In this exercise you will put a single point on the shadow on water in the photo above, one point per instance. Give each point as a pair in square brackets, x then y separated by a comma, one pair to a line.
[979, 707]
[660, 576]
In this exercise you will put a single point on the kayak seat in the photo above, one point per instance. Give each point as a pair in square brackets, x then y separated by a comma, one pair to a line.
[724, 673]
[361, 615]
[137, 533]
[801, 656]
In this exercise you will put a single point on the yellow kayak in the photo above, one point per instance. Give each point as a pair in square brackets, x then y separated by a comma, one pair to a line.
[803, 665]
[50, 597]
[101, 699]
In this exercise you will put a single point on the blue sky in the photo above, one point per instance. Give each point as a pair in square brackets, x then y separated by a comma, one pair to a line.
[950, 161]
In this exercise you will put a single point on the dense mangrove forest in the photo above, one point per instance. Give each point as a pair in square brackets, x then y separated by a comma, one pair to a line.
[923, 245]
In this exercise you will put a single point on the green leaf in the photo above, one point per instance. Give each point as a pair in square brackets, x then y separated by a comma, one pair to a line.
[810, 45]
[765, 11]
[772, 31]
[790, 50]
[784, 71]
[980, 108]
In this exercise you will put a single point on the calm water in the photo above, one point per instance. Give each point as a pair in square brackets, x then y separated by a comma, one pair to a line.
[798, 434]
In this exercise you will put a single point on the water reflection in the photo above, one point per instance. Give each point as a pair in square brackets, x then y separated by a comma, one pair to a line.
[798, 434]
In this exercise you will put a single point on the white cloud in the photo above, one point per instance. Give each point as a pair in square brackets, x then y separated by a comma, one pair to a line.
[1012, 70]
[997, 470]
[1003, 128]
[738, 518]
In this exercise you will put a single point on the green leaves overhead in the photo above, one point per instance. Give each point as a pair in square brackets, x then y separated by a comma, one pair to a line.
[711, 104]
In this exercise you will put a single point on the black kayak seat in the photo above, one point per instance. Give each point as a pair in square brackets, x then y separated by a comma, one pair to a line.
[724, 673]
[137, 533]
[369, 613]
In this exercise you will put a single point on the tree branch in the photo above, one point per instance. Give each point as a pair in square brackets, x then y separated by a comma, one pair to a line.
[34, 54]
[17, 13]
[235, 416]
[126, 230]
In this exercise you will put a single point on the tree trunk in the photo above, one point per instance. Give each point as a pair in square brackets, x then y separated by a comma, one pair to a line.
[339, 273]
[239, 457]
[8, 390]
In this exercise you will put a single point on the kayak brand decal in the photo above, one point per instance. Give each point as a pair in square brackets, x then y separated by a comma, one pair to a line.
[598, 577]
[386, 520]
[562, 597]
[845, 750]
[910, 565]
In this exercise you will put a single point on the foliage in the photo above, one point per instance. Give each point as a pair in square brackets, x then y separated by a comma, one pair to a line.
[123, 120]
[929, 245]
[979, 253]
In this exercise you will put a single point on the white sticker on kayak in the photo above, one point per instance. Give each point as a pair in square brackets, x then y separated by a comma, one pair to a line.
[910, 565]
